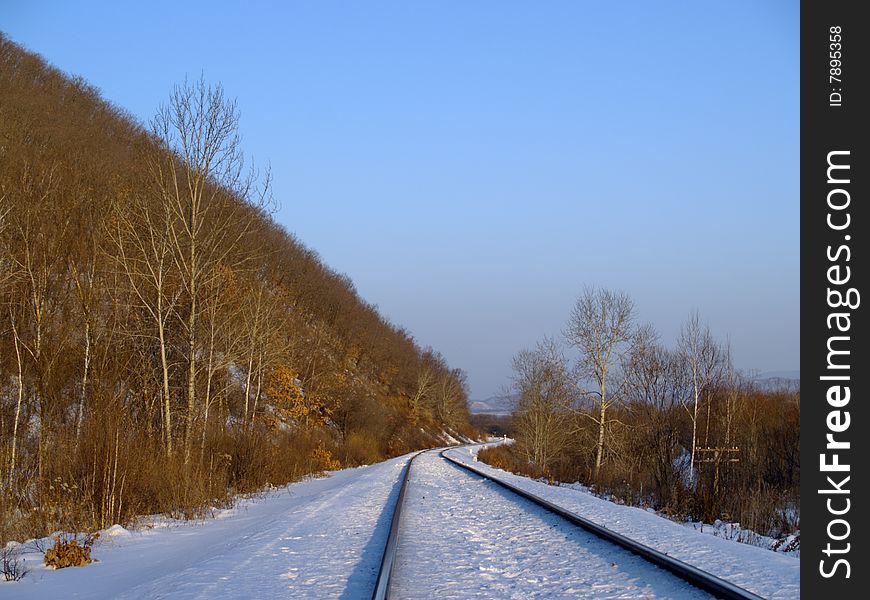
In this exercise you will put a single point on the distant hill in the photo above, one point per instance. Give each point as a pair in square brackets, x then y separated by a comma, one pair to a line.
[494, 405]
[789, 381]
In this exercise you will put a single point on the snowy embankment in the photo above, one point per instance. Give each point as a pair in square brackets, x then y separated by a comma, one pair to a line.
[321, 538]
[761, 571]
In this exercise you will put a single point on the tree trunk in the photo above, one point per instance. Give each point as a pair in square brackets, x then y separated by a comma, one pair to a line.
[599, 454]
[191, 379]
[207, 399]
[694, 422]
[167, 409]
[191, 325]
[20, 398]
[248, 384]
[81, 411]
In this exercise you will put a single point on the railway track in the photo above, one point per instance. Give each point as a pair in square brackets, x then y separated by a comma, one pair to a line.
[382, 585]
[697, 578]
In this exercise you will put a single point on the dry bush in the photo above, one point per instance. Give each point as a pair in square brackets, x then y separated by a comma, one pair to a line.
[67, 552]
[261, 458]
[12, 562]
[361, 448]
[499, 457]
[322, 460]
[762, 510]
[507, 458]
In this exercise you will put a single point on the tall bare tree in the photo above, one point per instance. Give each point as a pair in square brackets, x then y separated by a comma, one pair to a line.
[703, 358]
[212, 197]
[141, 252]
[601, 328]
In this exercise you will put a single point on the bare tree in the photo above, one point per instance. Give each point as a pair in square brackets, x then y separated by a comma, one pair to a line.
[703, 359]
[601, 328]
[220, 308]
[546, 395]
[262, 342]
[656, 388]
[734, 392]
[16, 340]
[646, 370]
[83, 271]
[36, 248]
[451, 393]
[426, 378]
[201, 179]
[141, 253]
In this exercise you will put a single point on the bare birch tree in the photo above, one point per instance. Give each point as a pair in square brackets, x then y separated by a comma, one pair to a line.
[703, 359]
[601, 328]
[202, 180]
[141, 238]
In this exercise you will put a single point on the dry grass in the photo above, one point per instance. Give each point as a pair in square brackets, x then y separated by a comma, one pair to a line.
[67, 552]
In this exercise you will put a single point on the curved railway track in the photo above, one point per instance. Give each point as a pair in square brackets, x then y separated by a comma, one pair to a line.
[696, 577]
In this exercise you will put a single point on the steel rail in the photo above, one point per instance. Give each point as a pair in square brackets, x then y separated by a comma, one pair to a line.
[382, 586]
[693, 575]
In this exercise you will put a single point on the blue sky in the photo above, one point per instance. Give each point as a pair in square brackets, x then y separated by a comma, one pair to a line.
[472, 165]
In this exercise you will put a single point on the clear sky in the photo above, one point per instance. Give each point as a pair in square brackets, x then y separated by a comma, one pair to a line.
[472, 165]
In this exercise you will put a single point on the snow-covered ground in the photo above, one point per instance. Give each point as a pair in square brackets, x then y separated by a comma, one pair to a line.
[462, 536]
[321, 538]
[761, 571]
[733, 531]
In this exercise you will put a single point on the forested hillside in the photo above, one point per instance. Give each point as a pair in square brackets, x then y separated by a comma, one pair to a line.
[163, 342]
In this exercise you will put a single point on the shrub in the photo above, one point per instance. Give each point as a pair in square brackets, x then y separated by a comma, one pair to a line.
[361, 448]
[12, 562]
[505, 457]
[67, 552]
[322, 460]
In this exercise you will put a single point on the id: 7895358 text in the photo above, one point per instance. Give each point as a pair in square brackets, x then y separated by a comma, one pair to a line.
[835, 63]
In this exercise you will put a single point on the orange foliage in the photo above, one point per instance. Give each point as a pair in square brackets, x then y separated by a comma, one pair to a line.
[291, 403]
[323, 460]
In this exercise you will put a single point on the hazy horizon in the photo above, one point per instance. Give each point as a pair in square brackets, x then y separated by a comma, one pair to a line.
[473, 167]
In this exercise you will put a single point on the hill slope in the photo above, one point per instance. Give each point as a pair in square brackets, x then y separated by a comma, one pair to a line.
[163, 342]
